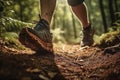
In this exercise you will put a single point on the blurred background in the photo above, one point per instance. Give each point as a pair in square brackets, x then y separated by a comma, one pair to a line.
[16, 14]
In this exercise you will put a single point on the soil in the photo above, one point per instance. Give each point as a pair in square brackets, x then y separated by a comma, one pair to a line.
[68, 62]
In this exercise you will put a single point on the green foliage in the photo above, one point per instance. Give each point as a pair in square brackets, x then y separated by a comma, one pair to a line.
[6, 8]
[8, 25]
[95, 15]
[11, 40]
[26, 10]
[14, 14]
[9, 28]
[116, 26]
[112, 37]
[57, 35]
[63, 19]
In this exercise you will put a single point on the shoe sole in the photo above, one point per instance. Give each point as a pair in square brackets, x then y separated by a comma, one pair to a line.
[41, 45]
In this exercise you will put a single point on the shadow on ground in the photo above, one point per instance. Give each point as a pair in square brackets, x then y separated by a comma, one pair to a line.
[29, 67]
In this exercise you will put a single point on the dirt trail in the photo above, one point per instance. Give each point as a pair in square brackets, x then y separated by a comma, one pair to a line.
[68, 62]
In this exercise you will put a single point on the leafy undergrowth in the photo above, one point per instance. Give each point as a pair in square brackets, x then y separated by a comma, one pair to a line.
[68, 62]
[109, 39]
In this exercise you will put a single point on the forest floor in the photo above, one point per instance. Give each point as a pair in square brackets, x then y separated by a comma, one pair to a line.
[68, 62]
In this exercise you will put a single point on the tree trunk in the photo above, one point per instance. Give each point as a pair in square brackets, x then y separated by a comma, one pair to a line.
[21, 10]
[103, 15]
[74, 27]
[116, 8]
[63, 19]
[111, 11]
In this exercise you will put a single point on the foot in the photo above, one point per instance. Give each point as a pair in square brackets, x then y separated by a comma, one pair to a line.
[37, 39]
[87, 39]
[42, 31]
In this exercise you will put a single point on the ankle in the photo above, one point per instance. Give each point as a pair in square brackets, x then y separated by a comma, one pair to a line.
[88, 27]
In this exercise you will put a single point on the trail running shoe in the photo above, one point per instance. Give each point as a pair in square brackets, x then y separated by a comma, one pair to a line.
[87, 39]
[39, 38]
